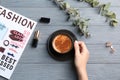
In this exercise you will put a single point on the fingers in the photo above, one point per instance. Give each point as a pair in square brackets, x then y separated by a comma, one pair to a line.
[77, 47]
[80, 47]
[83, 46]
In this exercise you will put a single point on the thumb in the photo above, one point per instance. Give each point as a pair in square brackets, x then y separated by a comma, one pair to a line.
[77, 48]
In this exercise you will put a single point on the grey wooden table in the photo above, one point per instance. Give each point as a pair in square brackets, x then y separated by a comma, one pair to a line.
[37, 64]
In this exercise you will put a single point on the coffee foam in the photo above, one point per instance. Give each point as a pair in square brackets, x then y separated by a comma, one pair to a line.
[62, 43]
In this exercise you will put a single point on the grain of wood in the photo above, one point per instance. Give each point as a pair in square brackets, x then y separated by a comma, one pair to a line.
[37, 64]
[48, 3]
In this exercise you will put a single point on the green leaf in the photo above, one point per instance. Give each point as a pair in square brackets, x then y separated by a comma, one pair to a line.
[114, 22]
[76, 22]
[95, 3]
[66, 5]
[111, 14]
[106, 6]
[73, 12]
[89, 1]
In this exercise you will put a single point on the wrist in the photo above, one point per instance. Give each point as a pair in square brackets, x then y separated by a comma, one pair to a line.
[81, 70]
[82, 74]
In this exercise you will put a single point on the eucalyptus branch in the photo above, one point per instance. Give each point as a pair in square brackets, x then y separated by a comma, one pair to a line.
[110, 15]
[93, 3]
[104, 11]
[74, 15]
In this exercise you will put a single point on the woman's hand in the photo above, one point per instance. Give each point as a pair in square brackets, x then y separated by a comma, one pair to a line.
[81, 59]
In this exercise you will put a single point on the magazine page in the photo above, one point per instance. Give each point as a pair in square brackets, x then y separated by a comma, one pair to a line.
[15, 31]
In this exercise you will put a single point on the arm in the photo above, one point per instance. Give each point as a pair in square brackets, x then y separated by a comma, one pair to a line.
[81, 59]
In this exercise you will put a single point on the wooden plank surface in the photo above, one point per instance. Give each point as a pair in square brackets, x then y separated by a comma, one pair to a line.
[47, 3]
[64, 72]
[37, 64]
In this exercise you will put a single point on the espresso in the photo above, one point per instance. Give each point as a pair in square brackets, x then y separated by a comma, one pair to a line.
[62, 43]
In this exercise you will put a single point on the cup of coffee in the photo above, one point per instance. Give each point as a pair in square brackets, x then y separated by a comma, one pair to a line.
[62, 43]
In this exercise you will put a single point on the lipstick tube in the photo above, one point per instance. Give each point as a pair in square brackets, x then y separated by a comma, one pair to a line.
[35, 39]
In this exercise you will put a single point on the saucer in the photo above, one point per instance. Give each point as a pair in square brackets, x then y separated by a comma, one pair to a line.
[56, 55]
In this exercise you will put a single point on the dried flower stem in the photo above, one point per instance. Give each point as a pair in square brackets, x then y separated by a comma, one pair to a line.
[109, 44]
